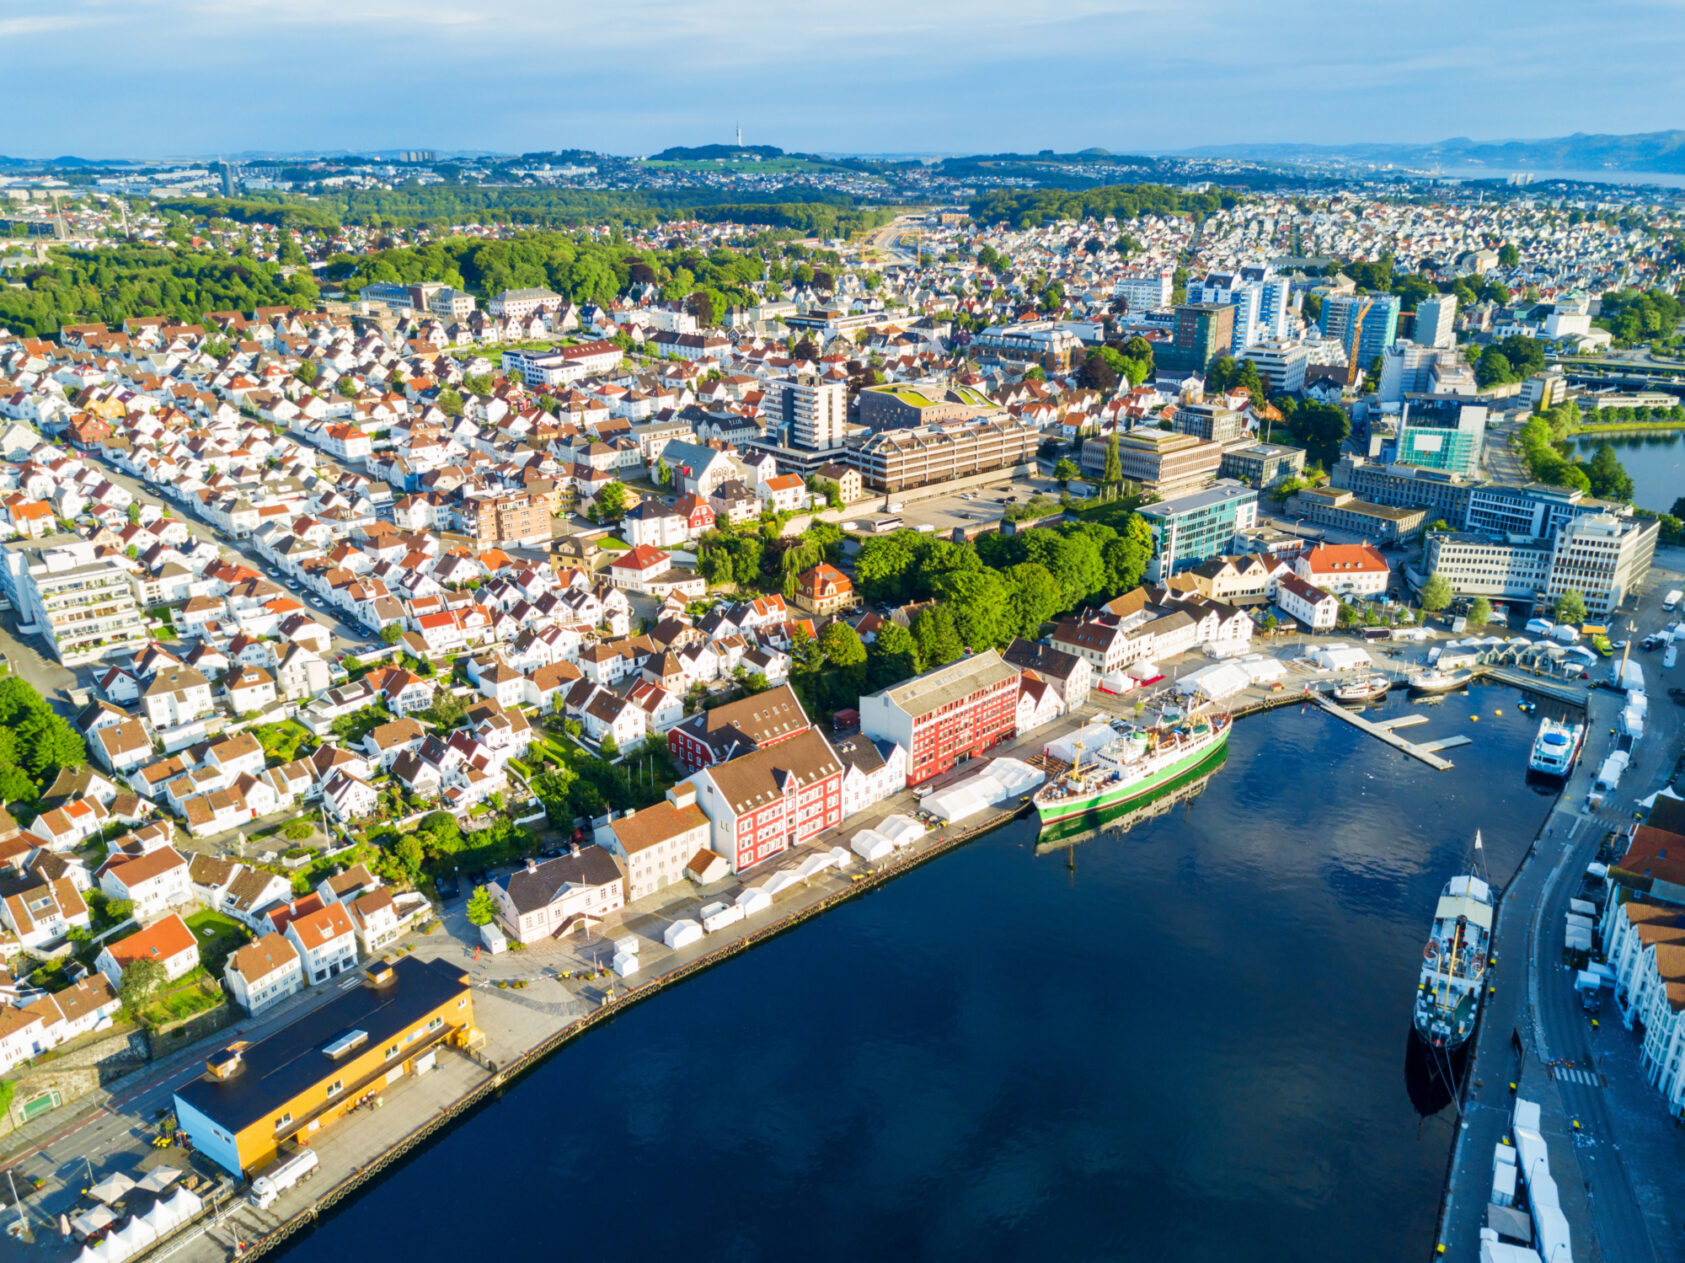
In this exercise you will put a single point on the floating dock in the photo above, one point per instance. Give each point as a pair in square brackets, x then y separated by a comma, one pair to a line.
[1384, 730]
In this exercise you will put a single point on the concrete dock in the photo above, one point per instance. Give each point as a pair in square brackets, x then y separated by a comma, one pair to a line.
[1384, 730]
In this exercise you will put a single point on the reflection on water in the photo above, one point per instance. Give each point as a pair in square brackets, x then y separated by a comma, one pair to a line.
[1123, 817]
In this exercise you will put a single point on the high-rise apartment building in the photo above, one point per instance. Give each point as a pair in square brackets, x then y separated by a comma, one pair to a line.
[1371, 320]
[810, 411]
[1434, 319]
[82, 606]
[1203, 331]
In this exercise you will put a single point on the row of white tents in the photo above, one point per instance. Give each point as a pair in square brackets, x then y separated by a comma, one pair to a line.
[719, 915]
[144, 1231]
[1003, 780]
[889, 835]
[1225, 679]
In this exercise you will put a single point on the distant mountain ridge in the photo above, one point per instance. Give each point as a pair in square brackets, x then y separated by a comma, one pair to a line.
[1660, 152]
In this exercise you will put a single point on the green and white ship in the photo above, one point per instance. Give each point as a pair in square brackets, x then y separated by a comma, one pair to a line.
[1132, 765]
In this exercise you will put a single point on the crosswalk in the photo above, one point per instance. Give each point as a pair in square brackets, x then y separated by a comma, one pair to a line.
[1587, 1078]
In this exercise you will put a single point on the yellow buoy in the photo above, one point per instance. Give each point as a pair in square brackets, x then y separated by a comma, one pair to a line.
[1496, 713]
[1474, 719]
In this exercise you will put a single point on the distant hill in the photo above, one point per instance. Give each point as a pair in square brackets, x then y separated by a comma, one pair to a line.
[1658, 152]
[707, 153]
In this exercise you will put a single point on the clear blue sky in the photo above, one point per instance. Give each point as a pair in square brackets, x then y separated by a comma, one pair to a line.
[170, 77]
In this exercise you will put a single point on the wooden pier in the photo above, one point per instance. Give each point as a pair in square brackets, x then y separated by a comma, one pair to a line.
[1425, 751]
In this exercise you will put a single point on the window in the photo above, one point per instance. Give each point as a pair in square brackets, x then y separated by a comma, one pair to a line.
[391, 1052]
[283, 1120]
[435, 1024]
[336, 1087]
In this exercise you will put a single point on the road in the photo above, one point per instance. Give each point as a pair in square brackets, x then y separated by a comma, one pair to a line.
[347, 633]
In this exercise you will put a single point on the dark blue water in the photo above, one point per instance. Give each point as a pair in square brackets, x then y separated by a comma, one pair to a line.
[1190, 1048]
[1655, 461]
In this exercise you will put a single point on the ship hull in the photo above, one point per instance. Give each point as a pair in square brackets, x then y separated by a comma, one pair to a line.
[1103, 800]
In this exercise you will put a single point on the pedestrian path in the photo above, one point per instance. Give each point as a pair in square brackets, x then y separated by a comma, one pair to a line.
[1589, 1078]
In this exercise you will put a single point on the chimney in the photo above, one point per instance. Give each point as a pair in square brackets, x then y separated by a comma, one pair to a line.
[573, 849]
[227, 1063]
[682, 795]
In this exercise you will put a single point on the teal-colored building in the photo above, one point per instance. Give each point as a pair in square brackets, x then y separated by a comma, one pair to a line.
[1196, 527]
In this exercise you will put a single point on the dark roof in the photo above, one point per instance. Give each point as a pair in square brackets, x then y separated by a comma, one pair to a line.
[277, 1070]
[1044, 660]
[751, 781]
[537, 887]
[748, 722]
[859, 751]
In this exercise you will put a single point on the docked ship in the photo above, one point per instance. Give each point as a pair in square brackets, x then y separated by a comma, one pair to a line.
[1555, 748]
[1132, 765]
[1454, 961]
[1366, 688]
[1433, 680]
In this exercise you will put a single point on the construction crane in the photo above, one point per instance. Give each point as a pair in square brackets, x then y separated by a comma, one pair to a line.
[1354, 331]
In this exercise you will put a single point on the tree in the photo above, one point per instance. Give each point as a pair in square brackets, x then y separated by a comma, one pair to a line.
[482, 908]
[663, 473]
[407, 851]
[1508, 256]
[307, 372]
[447, 708]
[609, 746]
[1100, 370]
[892, 657]
[1480, 611]
[1608, 477]
[980, 601]
[142, 978]
[391, 633]
[842, 646]
[347, 386]
[936, 636]
[1127, 556]
[611, 501]
[450, 403]
[1036, 598]
[1436, 593]
[1570, 607]
[1111, 474]
[1065, 471]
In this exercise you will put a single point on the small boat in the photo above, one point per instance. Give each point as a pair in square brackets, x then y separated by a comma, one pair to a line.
[1555, 748]
[1363, 689]
[1433, 680]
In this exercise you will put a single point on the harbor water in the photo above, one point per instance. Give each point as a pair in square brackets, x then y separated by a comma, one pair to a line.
[1187, 1041]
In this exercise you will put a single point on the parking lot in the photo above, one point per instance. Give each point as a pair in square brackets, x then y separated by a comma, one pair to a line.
[974, 511]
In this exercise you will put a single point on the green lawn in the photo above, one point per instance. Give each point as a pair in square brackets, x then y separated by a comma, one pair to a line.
[193, 993]
[280, 741]
[217, 937]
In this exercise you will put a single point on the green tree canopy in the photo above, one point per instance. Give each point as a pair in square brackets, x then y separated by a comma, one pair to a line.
[482, 908]
[1436, 593]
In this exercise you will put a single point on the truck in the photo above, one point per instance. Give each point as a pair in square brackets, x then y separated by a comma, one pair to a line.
[1590, 987]
[1671, 601]
[269, 1186]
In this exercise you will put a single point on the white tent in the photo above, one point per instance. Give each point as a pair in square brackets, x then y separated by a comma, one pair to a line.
[188, 1203]
[900, 830]
[158, 1179]
[753, 899]
[161, 1219]
[1143, 671]
[1016, 777]
[1214, 682]
[681, 934]
[960, 801]
[813, 865]
[841, 857]
[131, 1238]
[90, 1222]
[1339, 656]
[872, 846]
[1260, 670]
[112, 1189]
[624, 965]
[779, 882]
[100, 1253]
[716, 916]
[1116, 682]
[1090, 737]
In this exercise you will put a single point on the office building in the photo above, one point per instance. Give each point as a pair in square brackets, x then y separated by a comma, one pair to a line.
[1406, 369]
[1331, 506]
[1515, 568]
[1201, 333]
[521, 303]
[1368, 320]
[256, 1099]
[83, 607]
[1192, 528]
[1434, 320]
[1528, 509]
[1145, 288]
[1442, 432]
[1163, 463]
[1262, 465]
[809, 412]
[893, 460]
[429, 296]
[907, 405]
[1546, 389]
[1602, 557]
[1209, 421]
[947, 715]
[1281, 365]
[1443, 494]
